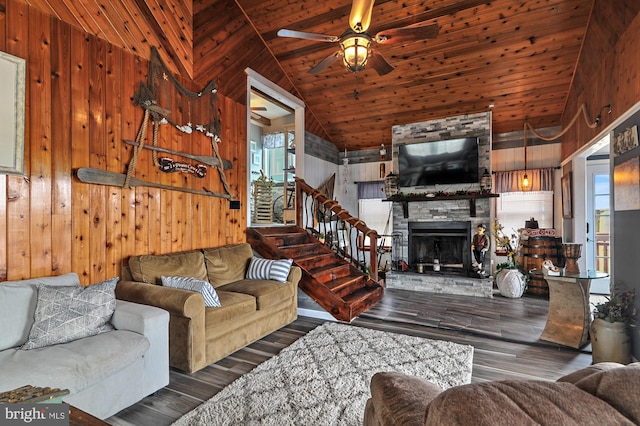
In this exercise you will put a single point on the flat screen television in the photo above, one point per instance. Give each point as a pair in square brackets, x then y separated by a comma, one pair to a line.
[438, 162]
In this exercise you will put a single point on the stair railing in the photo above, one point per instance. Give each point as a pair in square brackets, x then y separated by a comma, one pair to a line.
[347, 237]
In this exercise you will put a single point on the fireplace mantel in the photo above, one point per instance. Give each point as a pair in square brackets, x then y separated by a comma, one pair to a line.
[472, 197]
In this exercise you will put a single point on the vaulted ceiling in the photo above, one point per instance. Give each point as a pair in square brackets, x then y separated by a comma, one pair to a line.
[516, 58]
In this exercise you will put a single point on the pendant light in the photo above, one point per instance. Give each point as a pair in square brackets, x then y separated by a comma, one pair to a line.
[525, 178]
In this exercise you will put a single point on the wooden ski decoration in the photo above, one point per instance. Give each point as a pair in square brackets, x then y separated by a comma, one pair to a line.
[104, 177]
[209, 161]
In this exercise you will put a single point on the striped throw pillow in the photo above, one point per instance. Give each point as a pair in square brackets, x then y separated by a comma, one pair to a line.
[211, 298]
[267, 269]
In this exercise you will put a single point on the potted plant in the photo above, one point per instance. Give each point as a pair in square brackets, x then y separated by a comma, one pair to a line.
[610, 329]
[510, 280]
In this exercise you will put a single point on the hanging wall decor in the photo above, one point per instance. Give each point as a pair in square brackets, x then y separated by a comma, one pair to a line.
[625, 140]
[166, 102]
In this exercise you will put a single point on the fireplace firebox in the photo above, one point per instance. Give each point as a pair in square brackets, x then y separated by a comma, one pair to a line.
[447, 244]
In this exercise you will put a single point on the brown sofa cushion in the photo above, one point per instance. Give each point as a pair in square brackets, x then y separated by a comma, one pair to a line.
[520, 403]
[585, 372]
[232, 305]
[399, 399]
[267, 293]
[149, 268]
[618, 387]
[227, 264]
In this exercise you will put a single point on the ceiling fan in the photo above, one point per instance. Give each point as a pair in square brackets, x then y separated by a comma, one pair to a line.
[355, 42]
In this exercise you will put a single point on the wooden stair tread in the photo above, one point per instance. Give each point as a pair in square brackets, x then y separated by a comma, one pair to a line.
[314, 256]
[316, 260]
[302, 245]
[350, 281]
[274, 230]
[328, 268]
[364, 291]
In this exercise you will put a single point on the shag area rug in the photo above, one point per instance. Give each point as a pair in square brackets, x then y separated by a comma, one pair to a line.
[323, 378]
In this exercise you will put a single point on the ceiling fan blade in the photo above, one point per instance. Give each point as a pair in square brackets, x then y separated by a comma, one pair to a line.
[307, 36]
[360, 17]
[407, 34]
[329, 60]
[380, 64]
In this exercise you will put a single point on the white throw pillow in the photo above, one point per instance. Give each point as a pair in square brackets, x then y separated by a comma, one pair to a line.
[267, 269]
[69, 313]
[211, 298]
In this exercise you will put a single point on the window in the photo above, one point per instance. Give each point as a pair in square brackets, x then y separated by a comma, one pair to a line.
[515, 208]
[377, 215]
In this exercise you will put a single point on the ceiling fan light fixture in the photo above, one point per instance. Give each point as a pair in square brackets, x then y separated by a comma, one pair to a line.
[355, 51]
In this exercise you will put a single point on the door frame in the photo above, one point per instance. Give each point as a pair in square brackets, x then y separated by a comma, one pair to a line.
[576, 161]
[258, 82]
[596, 167]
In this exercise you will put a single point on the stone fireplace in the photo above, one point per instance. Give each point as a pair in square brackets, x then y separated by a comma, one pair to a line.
[448, 242]
[438, 226]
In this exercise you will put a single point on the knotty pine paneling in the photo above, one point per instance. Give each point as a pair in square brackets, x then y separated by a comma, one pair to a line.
[39, 95]
[134, 25]
[60, 138]
[79, 109]
[615, 79]
[18, 211]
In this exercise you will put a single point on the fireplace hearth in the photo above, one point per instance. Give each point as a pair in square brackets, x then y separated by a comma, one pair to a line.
[443, 243]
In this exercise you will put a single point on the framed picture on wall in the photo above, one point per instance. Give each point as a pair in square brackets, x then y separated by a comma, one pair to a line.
[12, 88]
[567, 199]
[626, 140]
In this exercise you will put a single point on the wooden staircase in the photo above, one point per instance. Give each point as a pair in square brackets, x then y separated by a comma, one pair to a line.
[341, 289]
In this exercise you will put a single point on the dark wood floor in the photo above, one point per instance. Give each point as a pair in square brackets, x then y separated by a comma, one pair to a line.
[504, 333]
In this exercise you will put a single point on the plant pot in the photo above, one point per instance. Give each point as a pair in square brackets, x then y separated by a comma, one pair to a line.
[610, 341]
[511, 283]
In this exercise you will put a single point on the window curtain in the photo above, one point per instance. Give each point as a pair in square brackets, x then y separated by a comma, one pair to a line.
[370, 190]
[511, 181]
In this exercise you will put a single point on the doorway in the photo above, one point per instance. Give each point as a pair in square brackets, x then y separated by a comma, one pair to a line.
[598, 242]
[275, 147]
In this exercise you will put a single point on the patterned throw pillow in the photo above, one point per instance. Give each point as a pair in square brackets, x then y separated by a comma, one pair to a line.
[211, 298]
[267, 269]
[69, 313]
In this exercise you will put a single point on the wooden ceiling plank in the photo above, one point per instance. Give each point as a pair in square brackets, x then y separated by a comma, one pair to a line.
[85, 18]
[130, 22]
[171, 46]
[177, 27]
[113, 32]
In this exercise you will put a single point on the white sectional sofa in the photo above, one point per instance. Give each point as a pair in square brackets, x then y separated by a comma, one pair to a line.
[104, 373]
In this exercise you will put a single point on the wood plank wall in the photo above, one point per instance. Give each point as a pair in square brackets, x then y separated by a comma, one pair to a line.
[78, 110]
[607, 72]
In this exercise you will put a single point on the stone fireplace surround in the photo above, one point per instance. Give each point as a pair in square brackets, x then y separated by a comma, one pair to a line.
[443, 213]
[430, 215]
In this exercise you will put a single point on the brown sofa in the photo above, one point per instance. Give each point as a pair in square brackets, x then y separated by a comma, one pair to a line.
[605, 393]
[199, 336]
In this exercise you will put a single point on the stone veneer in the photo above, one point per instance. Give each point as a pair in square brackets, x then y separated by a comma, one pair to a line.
[475, 125]
[440, 283]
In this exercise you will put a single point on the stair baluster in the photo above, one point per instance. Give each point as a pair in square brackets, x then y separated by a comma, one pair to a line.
[310, 201]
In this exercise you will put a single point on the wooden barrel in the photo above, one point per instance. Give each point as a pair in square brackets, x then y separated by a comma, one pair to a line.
[531, 253]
